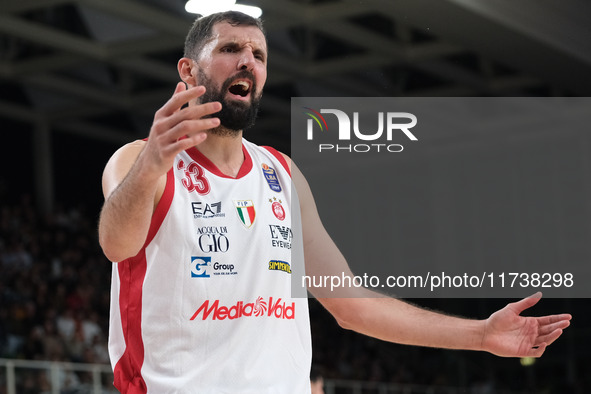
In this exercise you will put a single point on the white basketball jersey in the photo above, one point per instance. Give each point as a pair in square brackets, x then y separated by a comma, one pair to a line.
[206, 306]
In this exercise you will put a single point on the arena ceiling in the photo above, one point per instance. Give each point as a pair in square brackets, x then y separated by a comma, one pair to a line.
[99, 68]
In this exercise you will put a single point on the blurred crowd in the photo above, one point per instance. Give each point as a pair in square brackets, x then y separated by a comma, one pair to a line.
[54, 305]
[54, 293]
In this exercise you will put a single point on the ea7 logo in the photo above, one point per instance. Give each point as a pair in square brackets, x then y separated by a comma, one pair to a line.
[391, 119]
[202, 210]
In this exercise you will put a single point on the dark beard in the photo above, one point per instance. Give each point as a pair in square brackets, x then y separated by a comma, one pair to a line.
[235, 115]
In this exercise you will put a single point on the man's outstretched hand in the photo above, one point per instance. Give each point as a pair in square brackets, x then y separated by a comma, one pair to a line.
[508, 334]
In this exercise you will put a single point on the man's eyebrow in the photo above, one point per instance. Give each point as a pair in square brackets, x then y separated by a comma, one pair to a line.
[231, 44]
[235, 45]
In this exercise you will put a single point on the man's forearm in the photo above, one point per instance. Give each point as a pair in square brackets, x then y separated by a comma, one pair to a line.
[504, 333]
[126, 215]
[396, 321]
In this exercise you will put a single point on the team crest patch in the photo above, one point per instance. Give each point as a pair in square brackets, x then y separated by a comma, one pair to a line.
[277, 208]
[246, 212]
[271, 177]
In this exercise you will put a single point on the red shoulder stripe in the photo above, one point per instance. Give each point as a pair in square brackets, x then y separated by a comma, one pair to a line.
[279, 157]
[162, 207]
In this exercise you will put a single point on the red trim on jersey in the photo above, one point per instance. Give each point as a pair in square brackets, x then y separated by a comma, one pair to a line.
[162, 207]
[128, 370]
[209, 166]
[279, 157]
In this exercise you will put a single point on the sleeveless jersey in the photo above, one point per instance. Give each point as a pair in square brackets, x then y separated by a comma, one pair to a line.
[206, 306]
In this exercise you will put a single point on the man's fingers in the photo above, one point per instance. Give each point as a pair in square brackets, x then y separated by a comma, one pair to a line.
[525, 303]
[180, 97]
[179, 88]
[193, 112]
[537, 351]
[193, 140]
[545, 320]
[188, 128]
[548, 333]
[549, 338]
[547, 328]
[199, 111]
[167, 126]
[191, 119]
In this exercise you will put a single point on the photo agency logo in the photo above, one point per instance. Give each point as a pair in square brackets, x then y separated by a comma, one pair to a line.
[358, 136]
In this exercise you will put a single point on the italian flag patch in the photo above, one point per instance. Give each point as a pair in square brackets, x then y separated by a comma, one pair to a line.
[246, 212]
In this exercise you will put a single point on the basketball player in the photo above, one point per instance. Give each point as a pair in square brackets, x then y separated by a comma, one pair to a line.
[201, 290]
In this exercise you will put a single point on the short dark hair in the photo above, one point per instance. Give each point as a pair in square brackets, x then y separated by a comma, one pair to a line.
[202, 28]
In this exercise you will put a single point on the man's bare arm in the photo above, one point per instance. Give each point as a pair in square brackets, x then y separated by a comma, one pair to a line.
[130, 198]
[504, 333]
[134, 178]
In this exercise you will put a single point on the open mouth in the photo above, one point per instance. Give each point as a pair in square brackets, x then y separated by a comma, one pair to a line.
[240, 88]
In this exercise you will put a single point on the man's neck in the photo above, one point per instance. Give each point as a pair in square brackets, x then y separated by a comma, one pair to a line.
[224, 151]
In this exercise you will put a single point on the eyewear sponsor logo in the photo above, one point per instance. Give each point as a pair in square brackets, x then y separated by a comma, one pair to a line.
[281, 236]
[348, 131]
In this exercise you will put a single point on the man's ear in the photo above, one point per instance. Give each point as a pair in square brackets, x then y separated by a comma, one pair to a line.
[188, 71]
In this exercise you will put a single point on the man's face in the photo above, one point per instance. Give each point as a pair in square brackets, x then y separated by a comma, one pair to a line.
[233, 68]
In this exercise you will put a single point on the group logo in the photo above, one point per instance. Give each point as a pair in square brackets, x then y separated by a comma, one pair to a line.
[246, 212]
[202, 267]
[273, 307]
[277, 208]
[389, 123]
[271, 177]
[199, 267]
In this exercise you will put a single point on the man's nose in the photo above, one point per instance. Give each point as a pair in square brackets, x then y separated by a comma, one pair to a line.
[247, 60]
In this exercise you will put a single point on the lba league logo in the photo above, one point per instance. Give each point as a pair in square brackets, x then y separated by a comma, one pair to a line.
[350, 131]
[271, 177]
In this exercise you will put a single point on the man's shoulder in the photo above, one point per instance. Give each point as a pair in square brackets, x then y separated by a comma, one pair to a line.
[128, 152]
[274, 151]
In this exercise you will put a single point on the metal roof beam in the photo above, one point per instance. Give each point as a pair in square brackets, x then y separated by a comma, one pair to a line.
[16, 7]
[144, 14]
[53, 38]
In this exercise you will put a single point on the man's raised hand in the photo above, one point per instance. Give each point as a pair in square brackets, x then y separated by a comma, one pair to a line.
[175, 130]
[510, 335]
